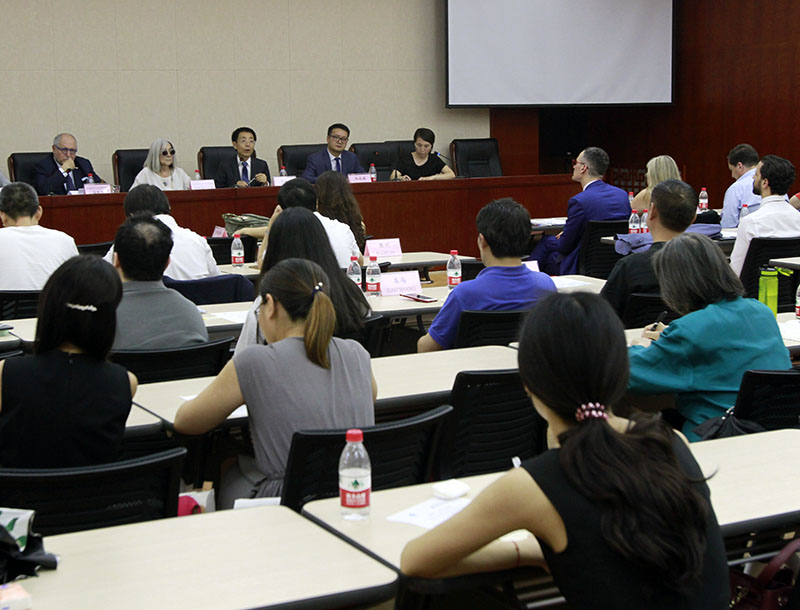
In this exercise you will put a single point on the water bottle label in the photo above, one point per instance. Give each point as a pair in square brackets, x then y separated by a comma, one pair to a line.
[797, 309]
[237, 259]
[453, 280]
[354, 491]
[373, 286]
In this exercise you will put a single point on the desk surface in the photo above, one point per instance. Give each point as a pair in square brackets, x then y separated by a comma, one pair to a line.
[252, 558]
[792, 262]
[140, 417]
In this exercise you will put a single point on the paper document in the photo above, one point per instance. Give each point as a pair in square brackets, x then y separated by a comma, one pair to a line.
[237, 317]
[565, 282]
[790, 330]
[430, 513]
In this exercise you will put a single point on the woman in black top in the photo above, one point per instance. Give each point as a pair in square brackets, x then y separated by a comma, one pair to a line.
[422, 164]
[619, 511]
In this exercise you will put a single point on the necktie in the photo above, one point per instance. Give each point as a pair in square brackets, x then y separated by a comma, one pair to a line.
[338, 164]
[70, 182]
[245, 177]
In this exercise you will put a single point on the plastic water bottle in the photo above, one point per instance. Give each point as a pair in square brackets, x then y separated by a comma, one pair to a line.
[354, 271]
[373, 277]
[283, 171]
[703, 200]
[355, 477]
[373, 173]
[630, 198]
[90, 179]
[744, 211]
[633, 222]
[453, 270]
[643, 228]
[197, 174]
[237, 251]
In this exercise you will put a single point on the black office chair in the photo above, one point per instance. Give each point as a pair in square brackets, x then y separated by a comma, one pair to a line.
[595, 258]
[200, 360]
[221, 249]
[127, 163]
[226, 288]
[382, 154]
[373, 334]
[488, 327]
[16, 304]
[11, 354]
[146, 440]
[98, 249]
[209, 158]
[400, 453]
[402, 147]
[89, 497]
[476, 158]
[770, 398]
[493, 421]
[20, 166]
[644, 308]
[761, 250]
[471, 269]
[293, 156]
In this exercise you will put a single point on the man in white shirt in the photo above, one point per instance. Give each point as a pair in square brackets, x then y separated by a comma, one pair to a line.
[742, 161]
[775, 217]
[29, 253]
[191, 257]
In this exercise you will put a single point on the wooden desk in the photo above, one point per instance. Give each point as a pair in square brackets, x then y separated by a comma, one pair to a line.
[267, 557]
[140, 417]
[248, 270]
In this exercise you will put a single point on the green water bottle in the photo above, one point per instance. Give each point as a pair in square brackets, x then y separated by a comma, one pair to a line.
[768, 288]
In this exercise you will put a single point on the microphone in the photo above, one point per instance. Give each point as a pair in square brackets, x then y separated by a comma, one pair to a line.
[438, 154]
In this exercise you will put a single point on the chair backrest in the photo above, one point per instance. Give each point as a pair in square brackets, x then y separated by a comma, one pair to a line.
[400, 453]
[11, 354]
[382, 154]
[476, 157]
[595, 258]
[770, 398]
[761, 250]
[221, 248]
[15, 304]
[373, 334]
[488, 327]
[471, 269]
[294, 156]
[20, 166]
[127, 163]
[99, 249]
[402, 147]
[644, 308]
[201, 360]
[226, 288]
[209, 158]
[493, 420]
[77, 499]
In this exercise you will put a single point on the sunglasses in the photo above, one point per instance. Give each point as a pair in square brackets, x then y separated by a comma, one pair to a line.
[168, 153]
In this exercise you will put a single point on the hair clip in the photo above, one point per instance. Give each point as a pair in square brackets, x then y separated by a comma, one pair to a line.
[590, 410]
[316, 288]
[91, 308]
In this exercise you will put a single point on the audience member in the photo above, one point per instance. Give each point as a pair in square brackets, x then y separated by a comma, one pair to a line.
[244, 169]
[673, 205]
[505, 284]
[303, 379]
[29, 253]
[335, 200]
[702, 355]
[191, 257]
[423, 163]
[619, 510]
[558, 255]
[161, 168]
[66, 405]
[151, 316]
[334, 157]
[776, 217]
[659, 169]
[64, 171]
[742, 161]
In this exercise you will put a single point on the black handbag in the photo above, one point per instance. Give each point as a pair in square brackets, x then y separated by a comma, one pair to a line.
[726, 425]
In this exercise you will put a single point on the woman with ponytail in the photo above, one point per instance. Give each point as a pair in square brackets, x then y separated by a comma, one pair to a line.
[619, 511]
[304, 378]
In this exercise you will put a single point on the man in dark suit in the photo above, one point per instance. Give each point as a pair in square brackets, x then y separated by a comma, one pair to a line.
[242, 169]
[334, 157]
[558, 255]
[64, 171]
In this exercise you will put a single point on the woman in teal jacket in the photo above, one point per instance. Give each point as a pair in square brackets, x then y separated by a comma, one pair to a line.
[702, 356]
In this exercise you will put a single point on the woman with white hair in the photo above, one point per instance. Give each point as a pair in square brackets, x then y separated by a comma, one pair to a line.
[160, 168]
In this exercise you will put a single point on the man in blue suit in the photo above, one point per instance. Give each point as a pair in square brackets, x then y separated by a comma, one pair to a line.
[558, 255]
[334, 157]
[64, 171]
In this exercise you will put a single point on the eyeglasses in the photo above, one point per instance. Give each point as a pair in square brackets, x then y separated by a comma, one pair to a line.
[168, 153]
[67, 151]
[576, 162]
[339, 138]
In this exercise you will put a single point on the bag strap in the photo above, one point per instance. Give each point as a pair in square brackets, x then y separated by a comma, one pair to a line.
[768, 573]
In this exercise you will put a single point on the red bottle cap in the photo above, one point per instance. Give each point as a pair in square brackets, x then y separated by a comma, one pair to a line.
[353, 258]
[453, 252]
[355, 435]
[235, 235]
[373, 258]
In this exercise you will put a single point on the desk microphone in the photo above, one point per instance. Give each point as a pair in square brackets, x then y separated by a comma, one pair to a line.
[438, 154]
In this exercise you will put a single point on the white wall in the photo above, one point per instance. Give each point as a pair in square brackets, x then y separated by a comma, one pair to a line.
[124, 72]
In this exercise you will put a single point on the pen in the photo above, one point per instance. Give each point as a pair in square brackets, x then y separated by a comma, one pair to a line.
[660, 319]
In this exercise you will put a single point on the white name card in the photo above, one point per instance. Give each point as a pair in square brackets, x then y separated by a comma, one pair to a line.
[281, 180]
[353, 178]
[383, 247]
[202, 185]
[532, 265]
[94, 189]
[400, 282]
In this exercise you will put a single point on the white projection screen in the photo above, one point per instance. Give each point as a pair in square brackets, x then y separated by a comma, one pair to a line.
[559, 52]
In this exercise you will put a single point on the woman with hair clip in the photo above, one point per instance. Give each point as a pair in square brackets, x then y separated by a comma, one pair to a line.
[619, 511]
[160, 168]
[66, 405]
[659, 169]
[335, 200]
[296, 233]
[303, 379]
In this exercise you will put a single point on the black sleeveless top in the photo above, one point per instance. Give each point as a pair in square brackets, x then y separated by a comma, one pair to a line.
[593, 576]
[62, 410]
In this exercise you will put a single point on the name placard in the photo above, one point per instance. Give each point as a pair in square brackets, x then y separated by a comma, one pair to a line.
[353, 178]
[383, 247]
[400, 282]
[94, 189]
[202, 185]
[281, 180]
